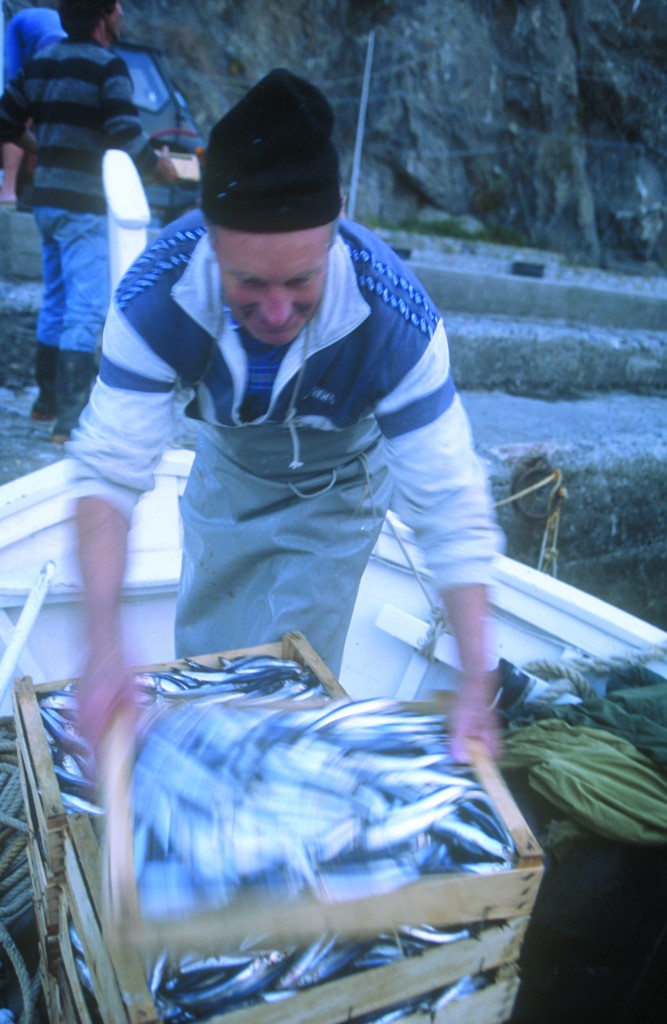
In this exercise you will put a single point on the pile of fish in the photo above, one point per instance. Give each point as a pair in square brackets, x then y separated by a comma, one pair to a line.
[238, 802]
[194, 989]
[256, 678]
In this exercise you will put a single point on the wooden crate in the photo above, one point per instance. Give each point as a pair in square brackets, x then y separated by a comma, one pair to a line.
[46, 815]
[68, 878]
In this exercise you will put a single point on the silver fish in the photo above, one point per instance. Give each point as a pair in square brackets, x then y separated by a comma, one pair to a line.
[463, 987]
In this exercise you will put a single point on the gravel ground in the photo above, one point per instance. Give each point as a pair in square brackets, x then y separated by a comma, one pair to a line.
[27, 446]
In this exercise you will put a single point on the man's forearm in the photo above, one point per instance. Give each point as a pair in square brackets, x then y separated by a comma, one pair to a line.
[467, 611]
[104, 689]
[102, 538]
[473, 717]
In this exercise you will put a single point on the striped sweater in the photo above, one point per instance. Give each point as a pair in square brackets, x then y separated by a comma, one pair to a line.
[79, 95]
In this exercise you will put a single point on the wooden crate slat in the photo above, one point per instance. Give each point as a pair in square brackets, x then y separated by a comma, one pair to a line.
[491, 1005]
[44, 892]
[442, 900]
[46, 965]
[296, 647]
[211, 660]
[126, 1001]
[37, 761]
[68, 975]
[527, 846]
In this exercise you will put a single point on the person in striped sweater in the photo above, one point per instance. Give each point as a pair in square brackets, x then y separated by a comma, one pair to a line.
[78, 93]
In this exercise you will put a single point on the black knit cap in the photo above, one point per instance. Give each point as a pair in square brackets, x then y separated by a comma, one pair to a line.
[270, 163]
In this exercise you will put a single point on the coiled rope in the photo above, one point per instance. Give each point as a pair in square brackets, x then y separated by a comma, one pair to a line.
[548, 560]
[574, 669]
[15, 884]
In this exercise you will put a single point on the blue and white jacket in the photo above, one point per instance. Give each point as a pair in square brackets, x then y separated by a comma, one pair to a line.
[376, 351]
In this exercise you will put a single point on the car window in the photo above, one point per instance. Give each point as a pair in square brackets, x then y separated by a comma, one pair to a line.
[150, 91]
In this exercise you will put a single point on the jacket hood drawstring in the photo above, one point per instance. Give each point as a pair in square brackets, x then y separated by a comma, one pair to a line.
[296, 462]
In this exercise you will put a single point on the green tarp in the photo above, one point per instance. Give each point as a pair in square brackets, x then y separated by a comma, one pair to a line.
[600, 780]
[602, 761]
[638, 713]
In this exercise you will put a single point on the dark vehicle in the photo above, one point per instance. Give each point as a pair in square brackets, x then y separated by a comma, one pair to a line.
[166, 119]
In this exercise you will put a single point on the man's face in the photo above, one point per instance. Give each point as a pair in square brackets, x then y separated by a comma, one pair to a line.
[273, 283]
[112, 24]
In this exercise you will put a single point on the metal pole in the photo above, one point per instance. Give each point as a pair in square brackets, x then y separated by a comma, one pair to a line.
[352, 199]
[26, 621]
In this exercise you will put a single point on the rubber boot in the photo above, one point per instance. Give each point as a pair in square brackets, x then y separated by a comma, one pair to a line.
[44, 406]
[74, 377]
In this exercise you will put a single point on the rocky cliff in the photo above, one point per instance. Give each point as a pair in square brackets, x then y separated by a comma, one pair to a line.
[542, 121]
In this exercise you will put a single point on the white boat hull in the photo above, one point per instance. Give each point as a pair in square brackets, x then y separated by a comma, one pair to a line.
[387, 651]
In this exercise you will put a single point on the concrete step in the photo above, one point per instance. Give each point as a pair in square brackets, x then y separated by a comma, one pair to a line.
[461, 276]
[593, 299]
[491, 279]
[554, 359]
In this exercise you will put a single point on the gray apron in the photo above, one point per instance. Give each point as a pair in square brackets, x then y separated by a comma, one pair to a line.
[268, 549]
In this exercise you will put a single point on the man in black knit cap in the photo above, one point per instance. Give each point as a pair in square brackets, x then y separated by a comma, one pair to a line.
[79, 96]
[321, 378]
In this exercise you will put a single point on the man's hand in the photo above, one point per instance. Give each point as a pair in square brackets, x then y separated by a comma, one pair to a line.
[165, 170]
[105, 693]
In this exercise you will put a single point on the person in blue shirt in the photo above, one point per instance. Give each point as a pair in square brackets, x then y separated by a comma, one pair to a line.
[27, 33]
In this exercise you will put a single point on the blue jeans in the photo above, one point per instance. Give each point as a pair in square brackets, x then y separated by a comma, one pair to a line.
[75, 266]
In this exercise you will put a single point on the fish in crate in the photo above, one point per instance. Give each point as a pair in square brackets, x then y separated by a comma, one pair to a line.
[273, 808]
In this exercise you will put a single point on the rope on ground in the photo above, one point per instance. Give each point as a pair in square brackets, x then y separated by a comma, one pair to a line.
[15, 883]
[548, 559]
